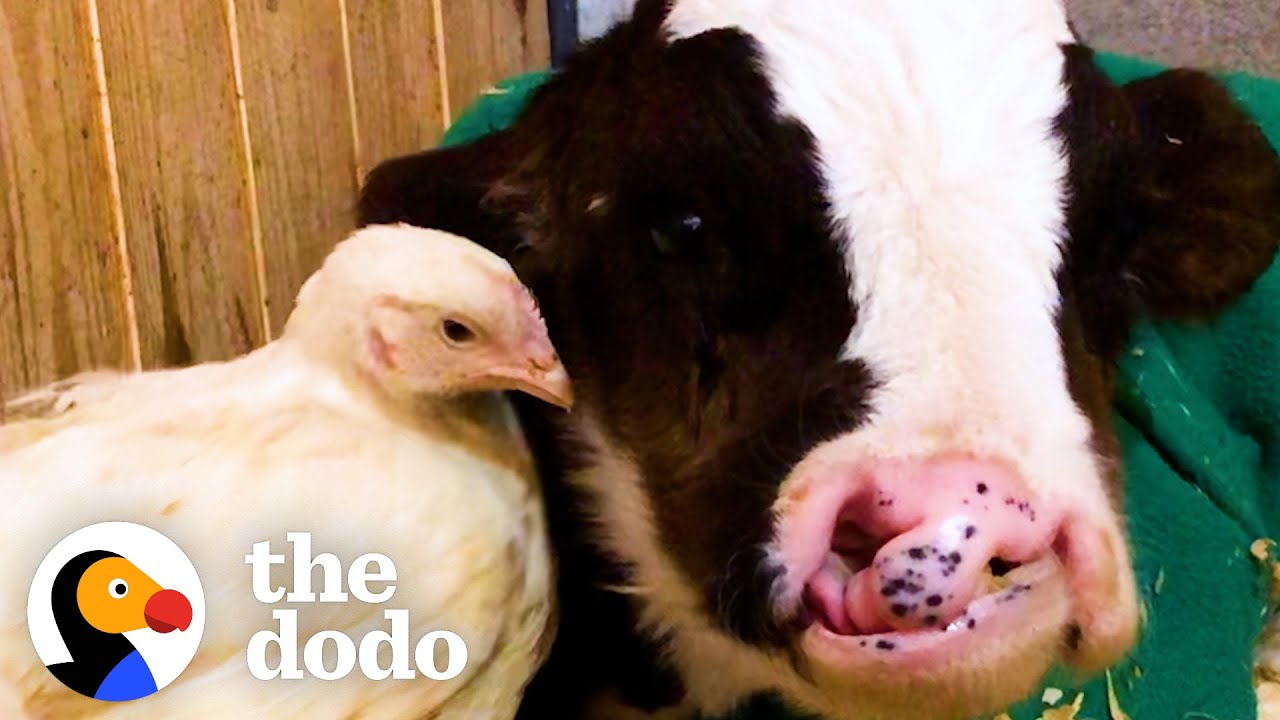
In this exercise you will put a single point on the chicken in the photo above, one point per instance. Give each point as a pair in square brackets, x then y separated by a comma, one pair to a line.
[377, 423]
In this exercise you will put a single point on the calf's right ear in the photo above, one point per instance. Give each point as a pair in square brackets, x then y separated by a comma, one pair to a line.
[1209, 198]
[445, 189]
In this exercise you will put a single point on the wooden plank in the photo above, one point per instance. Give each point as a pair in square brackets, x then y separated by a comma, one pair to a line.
[300, 121]
[396, 78]
[62, 301]
[488, 40]
[183, 179]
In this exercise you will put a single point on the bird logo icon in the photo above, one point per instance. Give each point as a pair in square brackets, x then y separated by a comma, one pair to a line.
[116, 611]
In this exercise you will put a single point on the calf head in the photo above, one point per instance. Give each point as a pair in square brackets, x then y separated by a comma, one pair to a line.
[840, 287]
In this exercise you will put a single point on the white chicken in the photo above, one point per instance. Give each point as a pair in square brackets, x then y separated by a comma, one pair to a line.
[376, 423]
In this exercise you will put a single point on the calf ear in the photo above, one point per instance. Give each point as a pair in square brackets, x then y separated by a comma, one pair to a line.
[445, 189]
[1208, 203]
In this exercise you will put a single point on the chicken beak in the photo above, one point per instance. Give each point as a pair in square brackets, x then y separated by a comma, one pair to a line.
[540, 372]
[548, 385]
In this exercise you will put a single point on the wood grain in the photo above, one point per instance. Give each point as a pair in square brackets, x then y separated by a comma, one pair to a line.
[182, 179]
[299, 111]
[61, 292]
[489, 40]
[399, 100]
[174, 222]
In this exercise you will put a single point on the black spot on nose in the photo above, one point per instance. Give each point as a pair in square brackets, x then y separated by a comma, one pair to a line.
[982, 488]
[933, 600]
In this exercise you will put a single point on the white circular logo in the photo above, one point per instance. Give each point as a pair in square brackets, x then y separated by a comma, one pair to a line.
[116, 611]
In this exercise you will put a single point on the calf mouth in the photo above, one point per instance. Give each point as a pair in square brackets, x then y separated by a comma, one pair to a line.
[1026, 606]
[963, 572]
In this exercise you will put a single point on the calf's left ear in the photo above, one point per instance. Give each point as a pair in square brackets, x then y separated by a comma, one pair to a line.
[1208, 202]
[445, 189]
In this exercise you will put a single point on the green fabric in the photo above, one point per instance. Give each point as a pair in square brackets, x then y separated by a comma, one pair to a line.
[1198, 413]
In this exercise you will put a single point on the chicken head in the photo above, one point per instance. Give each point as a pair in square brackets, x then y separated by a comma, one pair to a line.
[436, 315]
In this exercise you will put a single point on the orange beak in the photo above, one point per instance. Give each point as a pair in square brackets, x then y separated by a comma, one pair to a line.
[540, 373]
[549, 385]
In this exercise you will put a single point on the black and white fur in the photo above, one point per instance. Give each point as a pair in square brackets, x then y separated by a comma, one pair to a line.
[758, 227]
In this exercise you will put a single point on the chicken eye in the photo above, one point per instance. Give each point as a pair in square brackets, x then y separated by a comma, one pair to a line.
[457, 333]
[118, 588]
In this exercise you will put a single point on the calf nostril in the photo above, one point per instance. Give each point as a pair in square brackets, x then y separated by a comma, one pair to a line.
[1000, 567]
[854, 545]
[1073, 637]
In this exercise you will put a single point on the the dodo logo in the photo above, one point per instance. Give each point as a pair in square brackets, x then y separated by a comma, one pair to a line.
[116, 611]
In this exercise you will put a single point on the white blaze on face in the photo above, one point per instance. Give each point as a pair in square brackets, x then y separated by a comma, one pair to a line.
[934, 127]
[934, 122]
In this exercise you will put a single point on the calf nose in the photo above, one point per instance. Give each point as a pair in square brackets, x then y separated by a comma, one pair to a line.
[946, 521]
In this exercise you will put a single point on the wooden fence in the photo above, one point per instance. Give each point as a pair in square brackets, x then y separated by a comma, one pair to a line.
[171, 170]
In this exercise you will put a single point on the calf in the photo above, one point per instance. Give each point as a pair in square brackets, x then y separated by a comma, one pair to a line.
[841, 286]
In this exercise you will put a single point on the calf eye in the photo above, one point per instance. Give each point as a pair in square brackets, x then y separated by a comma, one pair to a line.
[669, 238]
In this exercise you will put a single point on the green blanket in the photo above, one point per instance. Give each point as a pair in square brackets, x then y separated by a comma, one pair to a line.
[1198, 412]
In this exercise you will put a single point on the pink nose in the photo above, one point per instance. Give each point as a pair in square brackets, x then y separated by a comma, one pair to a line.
[910, 546]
